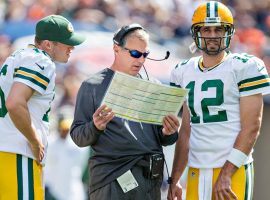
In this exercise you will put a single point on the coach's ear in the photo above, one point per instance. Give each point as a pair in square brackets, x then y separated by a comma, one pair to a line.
[116, 49]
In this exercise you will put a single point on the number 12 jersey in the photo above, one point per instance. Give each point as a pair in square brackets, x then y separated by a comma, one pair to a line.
[214, 100]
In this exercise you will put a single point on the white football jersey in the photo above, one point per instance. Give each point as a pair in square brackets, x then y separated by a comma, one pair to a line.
[213, 102]
[34, 68]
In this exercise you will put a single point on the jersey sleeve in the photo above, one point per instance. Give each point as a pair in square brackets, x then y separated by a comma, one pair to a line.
[34, 69]
[175, 77]
[253, 78]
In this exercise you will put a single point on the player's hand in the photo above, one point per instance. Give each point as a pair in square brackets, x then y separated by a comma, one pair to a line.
[170, 124]
[175, 192]
[102, 116]
[38, 150]
[222, 189]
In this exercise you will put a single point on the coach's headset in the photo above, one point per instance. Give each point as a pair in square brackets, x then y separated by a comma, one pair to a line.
[122, 32]
[119, 36]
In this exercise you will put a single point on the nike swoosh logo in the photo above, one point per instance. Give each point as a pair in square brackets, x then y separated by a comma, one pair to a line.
[41, 67]
[261, 68]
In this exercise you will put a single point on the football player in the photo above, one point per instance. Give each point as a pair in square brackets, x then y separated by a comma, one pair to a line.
[27, 84]
[222, 116]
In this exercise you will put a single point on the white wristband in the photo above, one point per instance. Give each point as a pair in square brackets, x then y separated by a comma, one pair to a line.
[237, 157]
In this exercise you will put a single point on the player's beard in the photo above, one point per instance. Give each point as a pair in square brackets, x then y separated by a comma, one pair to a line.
[213, 47]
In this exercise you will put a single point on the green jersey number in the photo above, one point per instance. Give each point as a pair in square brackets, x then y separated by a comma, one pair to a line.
[243, 57]
[206, 102]
[3, 109]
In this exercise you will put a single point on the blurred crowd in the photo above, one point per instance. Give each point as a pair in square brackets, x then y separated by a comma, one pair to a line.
[168, 22]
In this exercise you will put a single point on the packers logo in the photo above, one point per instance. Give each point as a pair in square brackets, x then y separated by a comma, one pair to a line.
[70, 27]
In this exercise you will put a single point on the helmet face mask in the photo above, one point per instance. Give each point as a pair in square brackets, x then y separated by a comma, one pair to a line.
[212, 14]
[201, 41]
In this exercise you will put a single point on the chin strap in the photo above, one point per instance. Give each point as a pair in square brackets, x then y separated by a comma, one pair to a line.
[192, 47]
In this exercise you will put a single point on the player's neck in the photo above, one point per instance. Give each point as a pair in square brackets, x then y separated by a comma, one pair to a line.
[210, 61]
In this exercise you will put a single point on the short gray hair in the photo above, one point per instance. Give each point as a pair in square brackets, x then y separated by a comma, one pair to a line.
[141, 34]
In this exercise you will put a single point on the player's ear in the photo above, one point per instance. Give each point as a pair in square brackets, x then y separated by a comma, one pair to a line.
[47, 44]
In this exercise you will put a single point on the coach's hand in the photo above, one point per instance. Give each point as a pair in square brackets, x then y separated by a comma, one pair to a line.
[170, 124]
[102, 116]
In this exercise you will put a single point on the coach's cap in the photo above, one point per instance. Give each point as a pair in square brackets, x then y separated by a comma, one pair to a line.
[59, 29]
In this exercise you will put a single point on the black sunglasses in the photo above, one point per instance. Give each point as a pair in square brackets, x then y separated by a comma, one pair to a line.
[136, 54]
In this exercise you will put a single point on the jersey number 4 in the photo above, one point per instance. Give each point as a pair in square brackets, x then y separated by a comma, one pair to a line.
[206, 102]
[3, 109]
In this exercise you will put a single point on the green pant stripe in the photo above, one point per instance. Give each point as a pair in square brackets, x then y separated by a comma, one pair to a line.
[30, 179]
[19, 177]
[252, 180]
[249, 181]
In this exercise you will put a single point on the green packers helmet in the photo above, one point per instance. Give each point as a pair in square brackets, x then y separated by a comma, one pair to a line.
[212, 13]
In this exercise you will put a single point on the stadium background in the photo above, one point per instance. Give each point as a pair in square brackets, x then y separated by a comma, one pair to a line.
[168, 23]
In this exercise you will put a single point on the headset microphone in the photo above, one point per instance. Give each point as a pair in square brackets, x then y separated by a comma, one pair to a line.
[165, 58]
